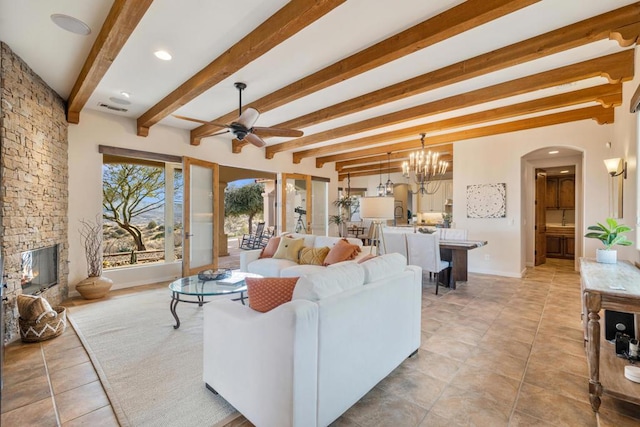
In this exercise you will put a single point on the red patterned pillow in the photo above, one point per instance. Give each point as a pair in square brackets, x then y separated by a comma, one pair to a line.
[271, 248]
[267, 293]
[341, 251]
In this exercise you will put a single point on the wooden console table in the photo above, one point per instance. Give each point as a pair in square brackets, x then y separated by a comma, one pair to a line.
[613, 287]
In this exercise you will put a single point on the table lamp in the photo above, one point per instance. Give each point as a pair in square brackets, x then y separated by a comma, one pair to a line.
[377, 209]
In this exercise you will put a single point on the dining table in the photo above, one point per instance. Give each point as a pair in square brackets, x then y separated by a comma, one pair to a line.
[459, 257]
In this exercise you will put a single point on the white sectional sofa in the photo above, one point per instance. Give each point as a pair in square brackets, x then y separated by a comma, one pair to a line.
[271, 267]
[307, 361]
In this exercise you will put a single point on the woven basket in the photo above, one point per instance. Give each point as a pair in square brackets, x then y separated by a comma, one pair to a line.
[45, 328]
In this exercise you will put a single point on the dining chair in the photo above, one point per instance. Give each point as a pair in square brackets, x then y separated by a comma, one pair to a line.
[395, 243]
[424, 250]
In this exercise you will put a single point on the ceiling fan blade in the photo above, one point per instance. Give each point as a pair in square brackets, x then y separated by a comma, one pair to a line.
[200, 121]
[248, 117]
[221, 133]
[263, 131]
[255, 140]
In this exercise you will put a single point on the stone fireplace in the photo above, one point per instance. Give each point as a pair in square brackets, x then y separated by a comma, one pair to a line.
[33, 185]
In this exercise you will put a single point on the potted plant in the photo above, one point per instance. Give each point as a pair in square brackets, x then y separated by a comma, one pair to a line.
[610, 235]
[95, 286]
[446, 219]
[339, 221]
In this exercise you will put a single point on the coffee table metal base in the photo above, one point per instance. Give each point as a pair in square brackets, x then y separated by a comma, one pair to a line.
[175, 299]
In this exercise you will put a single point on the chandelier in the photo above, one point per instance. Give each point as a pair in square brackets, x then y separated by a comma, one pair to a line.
[382, 189]
[425, 170]
[389, 185]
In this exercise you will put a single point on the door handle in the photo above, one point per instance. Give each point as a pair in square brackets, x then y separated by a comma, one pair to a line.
[187, 235]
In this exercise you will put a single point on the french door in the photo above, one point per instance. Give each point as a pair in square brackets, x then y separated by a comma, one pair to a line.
[201, 198]
[304, 204]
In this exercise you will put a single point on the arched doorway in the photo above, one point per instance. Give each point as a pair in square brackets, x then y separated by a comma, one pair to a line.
[553, 209]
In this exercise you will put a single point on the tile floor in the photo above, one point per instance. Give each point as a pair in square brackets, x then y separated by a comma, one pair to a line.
[496, 352]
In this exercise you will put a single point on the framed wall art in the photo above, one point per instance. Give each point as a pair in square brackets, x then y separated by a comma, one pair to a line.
[487, 200]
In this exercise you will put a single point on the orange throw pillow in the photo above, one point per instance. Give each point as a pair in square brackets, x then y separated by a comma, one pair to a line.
[271, 248]
[341, 251]
[266, 293]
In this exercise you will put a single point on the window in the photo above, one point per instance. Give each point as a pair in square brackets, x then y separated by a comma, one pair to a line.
[142, 211]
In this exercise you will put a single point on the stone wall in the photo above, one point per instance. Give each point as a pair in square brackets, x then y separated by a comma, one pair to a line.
[33, 177]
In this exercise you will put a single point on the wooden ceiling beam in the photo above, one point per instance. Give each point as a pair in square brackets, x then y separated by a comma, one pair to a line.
[378, 167]
[384, 166]
[601, 114]
[289, 20]
[343, 176]
[616, 68]
[458, 19]
[620, 24]
[122, 19]
[607, 95]
[445, 150]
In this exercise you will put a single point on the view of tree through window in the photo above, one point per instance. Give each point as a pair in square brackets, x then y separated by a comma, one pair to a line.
[142, 211]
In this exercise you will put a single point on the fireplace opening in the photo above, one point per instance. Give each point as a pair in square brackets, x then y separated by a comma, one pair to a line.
[39, 269]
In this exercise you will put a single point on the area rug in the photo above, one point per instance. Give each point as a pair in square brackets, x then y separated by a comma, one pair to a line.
[151, 372]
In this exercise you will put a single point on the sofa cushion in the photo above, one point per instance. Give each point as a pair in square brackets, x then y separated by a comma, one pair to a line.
[329, 281]
[330, 241]
[383, 267]
[271, 248]
[341, 251]
[269, 267]
[313, 256]
[309, 239]
[288, 248]
[365, 258]
[267, 293]
[298, 270]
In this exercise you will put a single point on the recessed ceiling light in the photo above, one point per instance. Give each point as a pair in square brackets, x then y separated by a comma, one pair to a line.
[162, 54]
[71, 24]
[554, 152]
[125, 94]
[564, 171]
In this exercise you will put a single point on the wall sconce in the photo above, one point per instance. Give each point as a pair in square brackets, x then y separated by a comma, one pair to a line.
[616, 191]
[612, 167]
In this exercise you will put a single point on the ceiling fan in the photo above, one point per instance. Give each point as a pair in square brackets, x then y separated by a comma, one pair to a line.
[242, 128]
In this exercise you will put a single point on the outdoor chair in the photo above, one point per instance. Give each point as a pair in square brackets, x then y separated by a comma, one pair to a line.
[253, 240]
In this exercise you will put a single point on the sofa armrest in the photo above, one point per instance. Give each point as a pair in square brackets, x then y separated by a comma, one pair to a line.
[247, 256]
[264, 364]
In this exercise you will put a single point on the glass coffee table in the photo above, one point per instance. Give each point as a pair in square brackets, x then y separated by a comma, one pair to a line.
[194, 287]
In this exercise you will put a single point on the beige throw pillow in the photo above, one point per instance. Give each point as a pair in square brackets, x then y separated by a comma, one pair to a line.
[289, 249]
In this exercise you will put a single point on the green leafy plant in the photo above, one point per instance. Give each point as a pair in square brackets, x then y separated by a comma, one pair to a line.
[610, 234]
[338, 220]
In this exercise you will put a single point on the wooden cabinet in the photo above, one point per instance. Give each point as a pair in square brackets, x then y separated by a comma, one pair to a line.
[560, 242]
[561, 192]
[570, 247]
[601, 285]
[554, 246]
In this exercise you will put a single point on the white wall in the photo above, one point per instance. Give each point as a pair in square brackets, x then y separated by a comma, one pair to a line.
[85, 175]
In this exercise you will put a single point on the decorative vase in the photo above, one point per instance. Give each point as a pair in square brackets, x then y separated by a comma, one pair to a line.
[607, 256]
[94, 287]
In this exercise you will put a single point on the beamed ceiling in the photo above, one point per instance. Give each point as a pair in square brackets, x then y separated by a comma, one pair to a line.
[361, 78]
